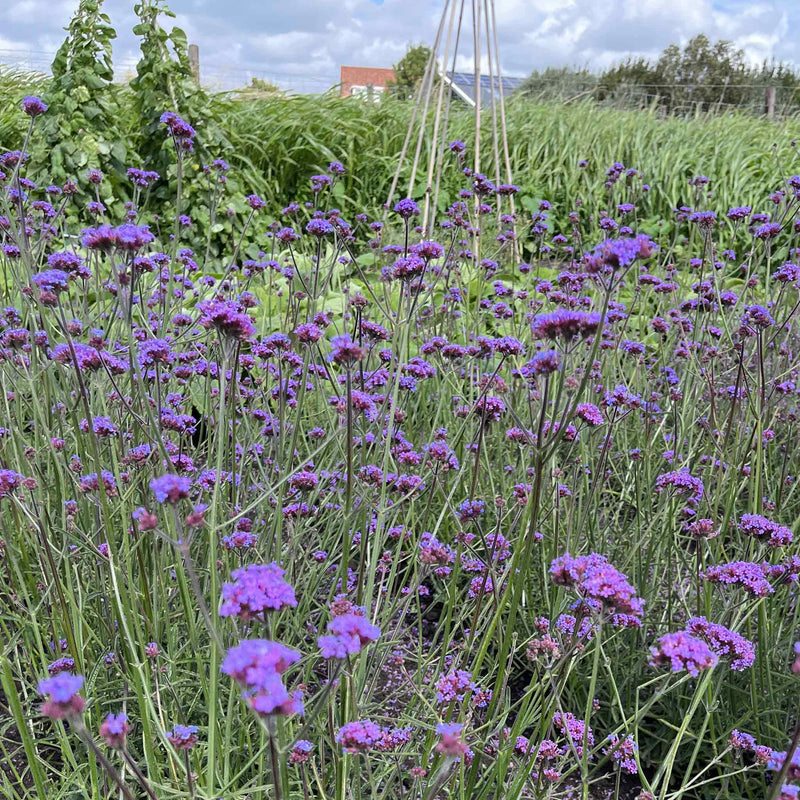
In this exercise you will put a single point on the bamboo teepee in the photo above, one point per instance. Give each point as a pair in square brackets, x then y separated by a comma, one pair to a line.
[427, 130]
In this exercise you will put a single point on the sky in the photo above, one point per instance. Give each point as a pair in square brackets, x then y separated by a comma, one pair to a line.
[300, 44]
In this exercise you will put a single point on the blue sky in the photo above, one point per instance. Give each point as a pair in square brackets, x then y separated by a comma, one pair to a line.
[301, 43]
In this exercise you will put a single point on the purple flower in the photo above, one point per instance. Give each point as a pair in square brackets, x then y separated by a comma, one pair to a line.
[451, 744]
[308, 333]
[435, 553]
[408, 268]
[489, 409]
[51, 280]
[271, 698]
[349, 634]
[681, 652]
[114, 729]
[470, 509]
[542, 363]
[183, 737]
[574, 729]
[319, 227]
[65, 664]
[453, 686]
[565, 324]
[738, 213]
[589, 413]
[9, 482]
[742, 742]
[724, 642]
[593, 577]
[301, 751]
[705, 220]
[256, 588]
[102, 426]
[767, 231]
[127, 238]
[758, 317]
[227, 318]
[62, 695]
[181, 130]
[170, 488]
[406, 208]
[746, 574]
[358, 737]
[619, 253]
[250, 659]
[763, 529]
[345, 351]
[155, 351]
[33, 106]
[142, 178]
[682, 483]
[622, 751]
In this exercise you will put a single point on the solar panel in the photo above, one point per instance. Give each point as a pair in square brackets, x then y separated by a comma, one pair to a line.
[462, 78]
[465, 81]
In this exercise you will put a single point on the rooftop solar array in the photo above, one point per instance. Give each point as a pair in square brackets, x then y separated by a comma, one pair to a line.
[465, 82]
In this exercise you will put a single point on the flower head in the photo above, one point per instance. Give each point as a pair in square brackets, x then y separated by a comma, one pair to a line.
[681, 651]
[227, 318]
[358, 737]
[114, 729]
[451, 743]
[724, 642]
[183, 737]
[33, 106]
[170, 488]
[62, 695]
[349, 634]
[255, 589]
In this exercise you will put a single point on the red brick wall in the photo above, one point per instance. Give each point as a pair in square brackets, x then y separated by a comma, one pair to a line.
[361, 76]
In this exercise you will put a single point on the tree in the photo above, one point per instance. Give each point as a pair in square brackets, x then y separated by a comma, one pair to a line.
[702, 74]
[81, 130]
[557, 84]
[410, 70]
[259, 86]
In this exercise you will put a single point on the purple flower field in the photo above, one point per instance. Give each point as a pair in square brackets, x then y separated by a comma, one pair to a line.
[502, 508]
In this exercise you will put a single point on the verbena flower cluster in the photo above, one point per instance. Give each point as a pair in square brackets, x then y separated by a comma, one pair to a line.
[470, 499]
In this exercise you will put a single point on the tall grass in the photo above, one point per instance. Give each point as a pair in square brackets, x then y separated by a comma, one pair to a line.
[15, 83]
[277, 142]
[280, 141]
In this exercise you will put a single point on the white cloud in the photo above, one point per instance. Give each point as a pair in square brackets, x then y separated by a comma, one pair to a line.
[311, 38]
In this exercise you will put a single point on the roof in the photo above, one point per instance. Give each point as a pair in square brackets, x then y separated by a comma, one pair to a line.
[463, 84]
[377, 77]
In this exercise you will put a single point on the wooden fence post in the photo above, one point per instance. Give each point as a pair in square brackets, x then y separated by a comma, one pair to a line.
[194, 62]
[770, 102]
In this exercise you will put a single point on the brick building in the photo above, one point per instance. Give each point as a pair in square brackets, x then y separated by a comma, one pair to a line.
[358, 80]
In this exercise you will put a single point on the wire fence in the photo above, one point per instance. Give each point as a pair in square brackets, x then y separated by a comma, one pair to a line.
[666, 99]
[671, 99]
[212, 76]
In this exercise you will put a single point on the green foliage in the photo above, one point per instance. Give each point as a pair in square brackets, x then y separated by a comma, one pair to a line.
[260, 86]
[701, 76]
[81, 130]
[14, 85]
[409, 71]
[163, 82]
[558, 83]
[279, 142]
